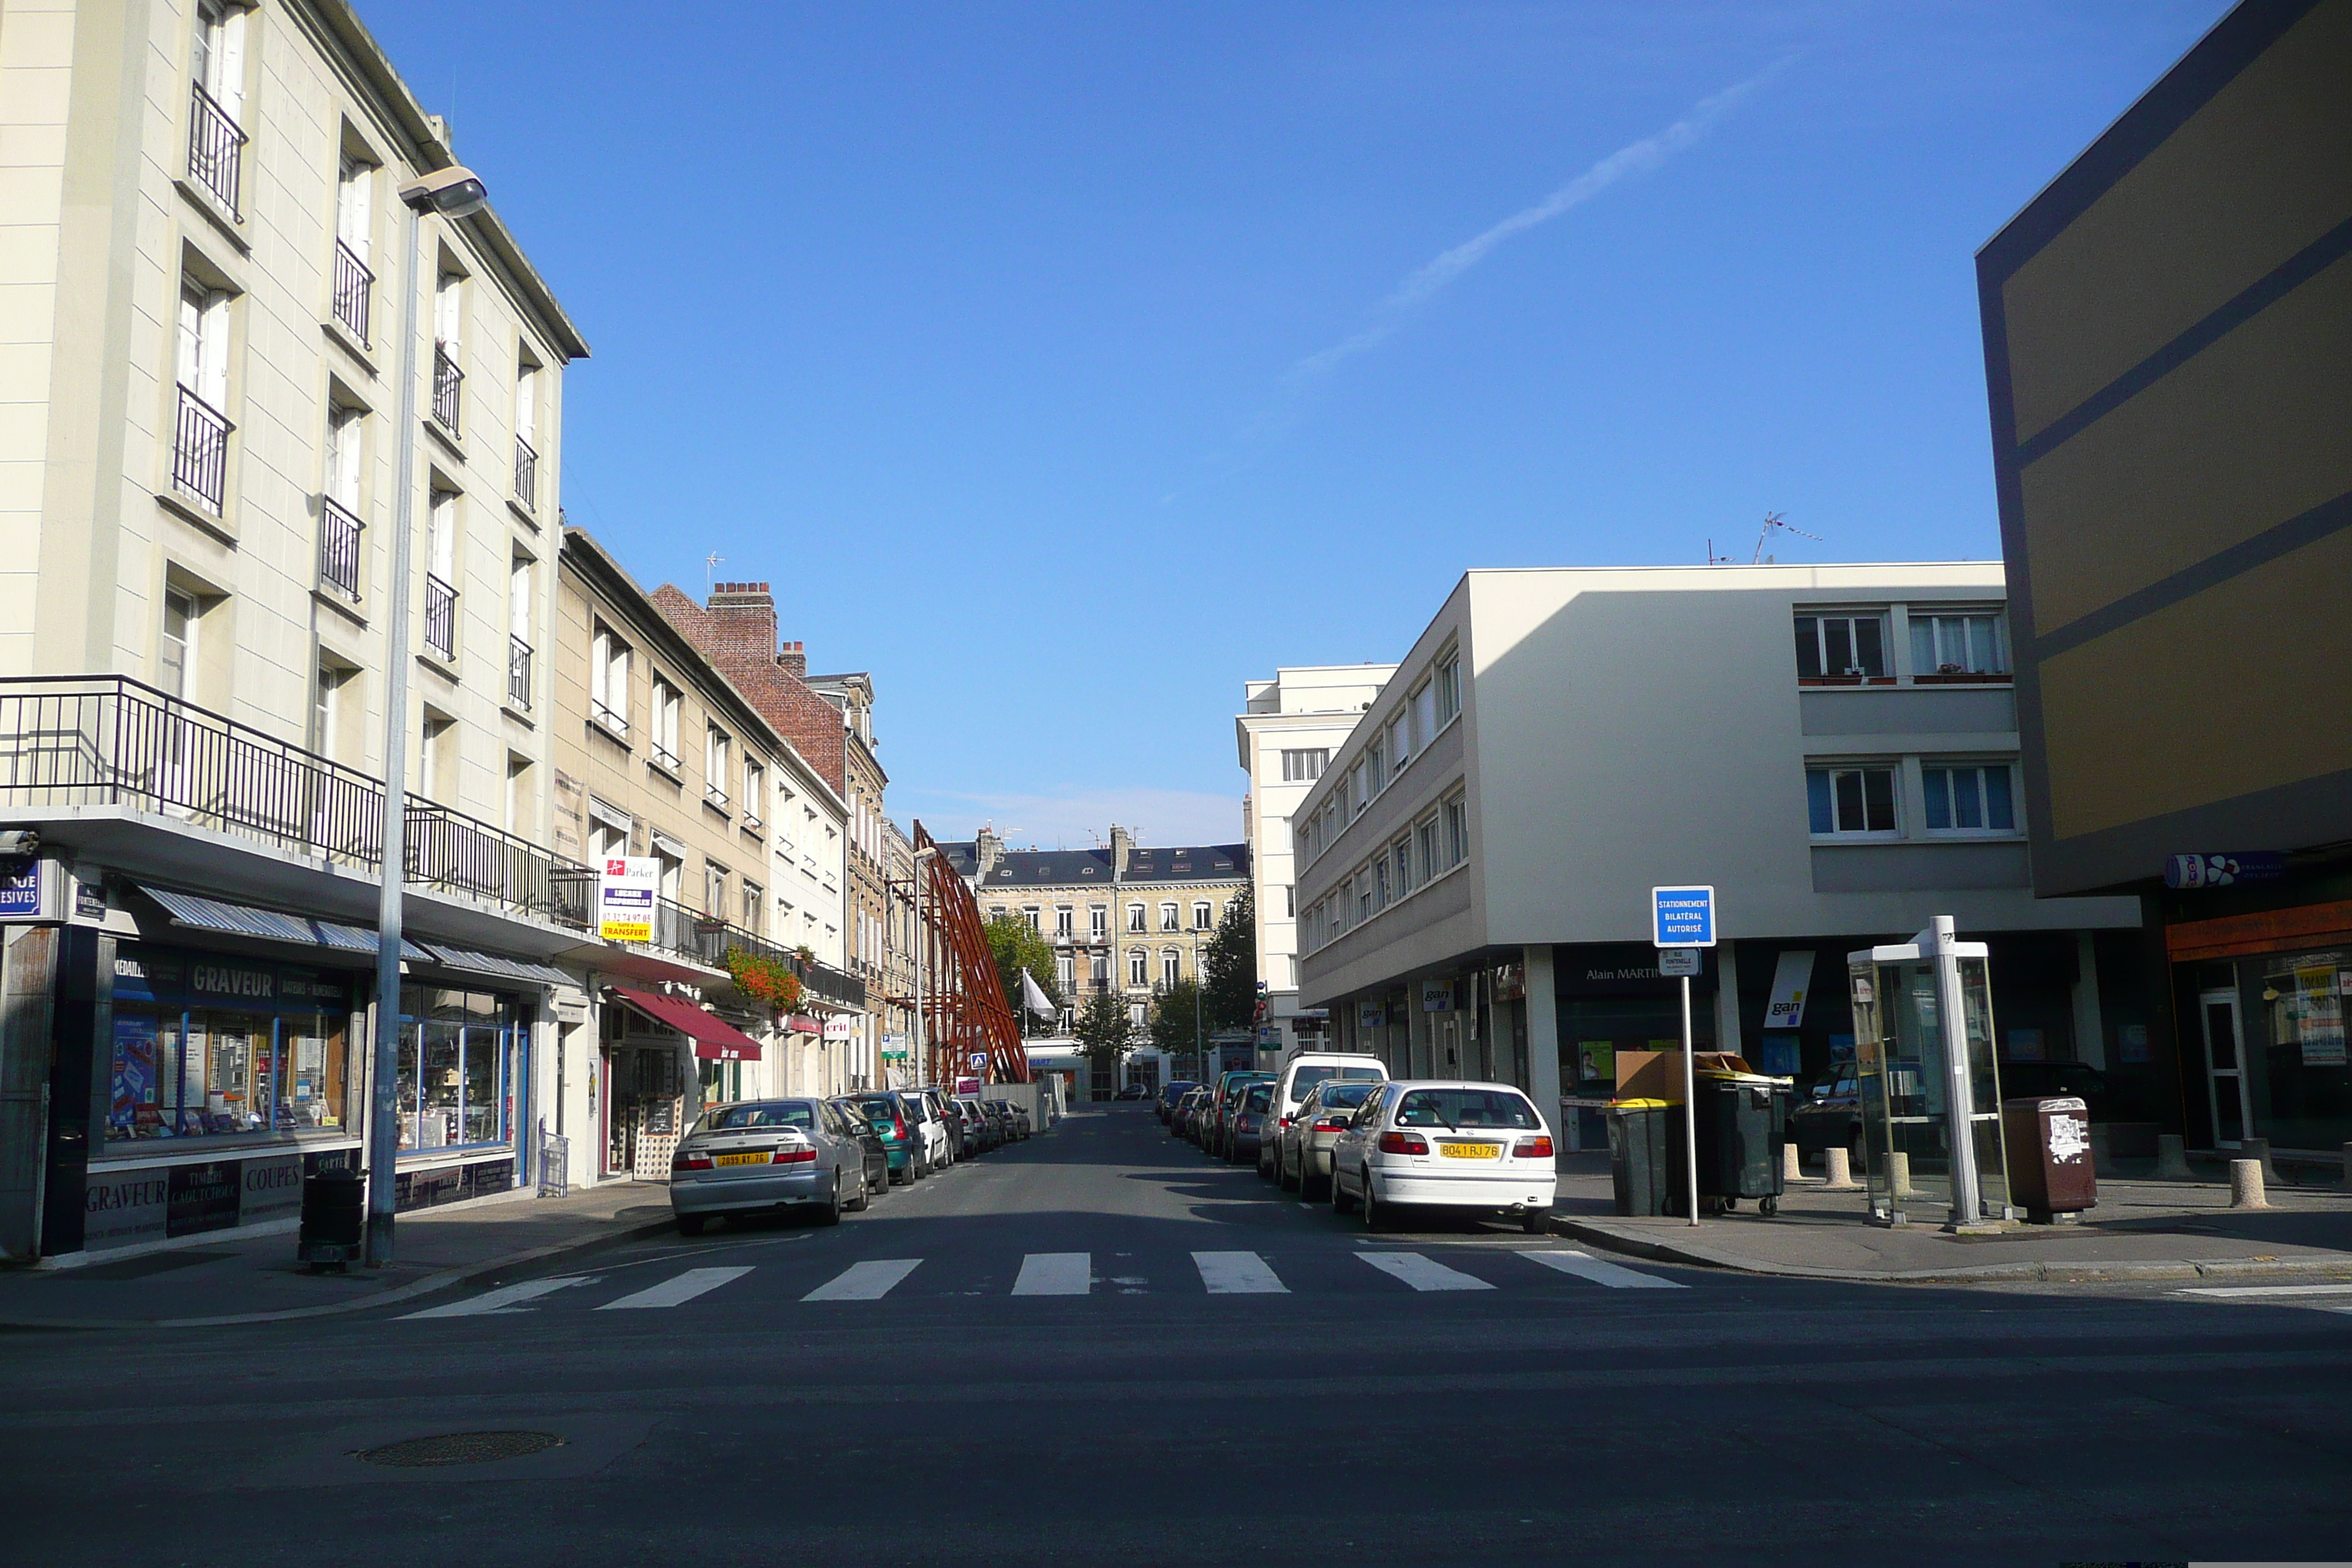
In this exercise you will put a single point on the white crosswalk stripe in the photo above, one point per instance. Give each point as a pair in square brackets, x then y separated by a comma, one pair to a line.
[1584, 1265]
[1238, 1274]
[1423, 1273]
[504, 1300]
[1054, 1274]
[2262, 1292]
[677, 1291]
[867, 1281]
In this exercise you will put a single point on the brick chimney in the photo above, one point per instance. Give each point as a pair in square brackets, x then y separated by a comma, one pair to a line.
[1122, 845]
[793, 656]
[743, 622]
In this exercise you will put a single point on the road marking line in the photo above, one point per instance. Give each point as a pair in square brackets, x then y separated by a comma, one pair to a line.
[1238, 1274]
[679, 1288]
[492, 1302]
[867, 1281]
[1054, 1274]
[1584, 1265]
[1423, 1273]
[2257, 1291]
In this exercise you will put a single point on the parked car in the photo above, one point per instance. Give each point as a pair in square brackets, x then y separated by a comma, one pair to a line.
[1250, 1117]
[1005, 1132]
[960, 1143]
[1017, 1118]
[1828, 1116]
[1220, 1111]
[1184, 1118]
[902, 1146]
[933, 1132]
[1444, 1145]
[1302, 1151]
[1134, 1091]
[1308, 1068]
[1165, 1101]
[981, 1131]
[869, 1126]
[767, 1155]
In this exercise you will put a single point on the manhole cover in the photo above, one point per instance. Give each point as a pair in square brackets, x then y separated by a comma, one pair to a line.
[460, 1448]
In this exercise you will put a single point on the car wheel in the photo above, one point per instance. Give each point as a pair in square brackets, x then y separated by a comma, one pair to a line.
[829, 1213]
[691, 1223]
[1535, 1222]
[901, 1176]
[1341, 1201]
[1310, 1185]
[921, 1168]
[1283, 1181]
[865, 1193]
[1376, 1213]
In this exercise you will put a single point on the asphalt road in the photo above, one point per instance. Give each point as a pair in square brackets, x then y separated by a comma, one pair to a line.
[1099, 1347]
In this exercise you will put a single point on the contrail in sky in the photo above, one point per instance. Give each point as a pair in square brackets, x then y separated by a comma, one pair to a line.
[1636, 158]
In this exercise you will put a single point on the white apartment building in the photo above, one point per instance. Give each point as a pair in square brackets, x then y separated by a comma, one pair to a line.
[1286, 734]
[1833, 748]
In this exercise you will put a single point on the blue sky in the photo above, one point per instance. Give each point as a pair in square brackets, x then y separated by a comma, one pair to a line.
[1066, 366]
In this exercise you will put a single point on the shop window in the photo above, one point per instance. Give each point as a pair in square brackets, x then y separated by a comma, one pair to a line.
[457, 1057]
[208, 1046]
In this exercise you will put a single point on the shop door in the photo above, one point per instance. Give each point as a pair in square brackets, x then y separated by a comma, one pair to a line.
[2225, 1068]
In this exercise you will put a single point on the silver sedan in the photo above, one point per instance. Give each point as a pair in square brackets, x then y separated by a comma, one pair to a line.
[765, 1155]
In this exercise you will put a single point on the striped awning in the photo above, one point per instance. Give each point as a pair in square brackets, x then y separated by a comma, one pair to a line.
[492, 965]
[270, 925]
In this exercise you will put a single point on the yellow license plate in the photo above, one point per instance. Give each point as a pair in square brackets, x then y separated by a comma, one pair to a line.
[1471, 1150]
[739, 1159]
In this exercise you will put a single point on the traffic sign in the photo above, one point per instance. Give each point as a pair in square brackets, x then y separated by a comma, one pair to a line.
[1674, 961]
[1682, 917]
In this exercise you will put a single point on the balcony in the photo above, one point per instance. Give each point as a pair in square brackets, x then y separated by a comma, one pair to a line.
[715, 799]
[354, 285]
[339, 550]
[526, 475]
[440, 618]
[446, 378]
[215, 148]
[200, 451]
[519, 673]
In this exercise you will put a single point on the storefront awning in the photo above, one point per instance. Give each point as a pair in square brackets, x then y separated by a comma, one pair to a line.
[715, 1039]
[491, 964]
[802, 1024]
[270, 925]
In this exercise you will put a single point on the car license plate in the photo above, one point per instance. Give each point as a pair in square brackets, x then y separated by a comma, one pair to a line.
[739, 1159]
[1471, 1150]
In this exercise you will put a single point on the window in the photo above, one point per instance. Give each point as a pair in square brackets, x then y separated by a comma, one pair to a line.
[1168, 918]
[441, 575]
[1137, 966]
[1135, 917]
[1958, 644]
[1200, 910]
[717, 766]
[355, 230]
[714, 889]
[1426, 834]
[1400, 742]
[996, 912]
[519, 601]
[1065, 917]
[755, 791]
[216, 139]
[521, 820]
[1290, 900]
[1841, 650]
[754, 902]
[1029, 917]
[1376, 767]
[1305, 766]
[1066, 974]
[1457, 831]
[1360, 787]
[448, 329]
[436, 758]
[277, 1058]
[1400, 857]
[1099, 969]
[608, 832]
[1449, 689]
[1425, 713]
[1380, 890]
[608, 683]
[1365, 906]
[1973, 799]
[201, 429]
[1170, 967]
[1850, 800]
[526, 469]
[1135, 1015]
[339, 501]
[176, 650]
[665, 705]
[327, 707]
[1097, 919]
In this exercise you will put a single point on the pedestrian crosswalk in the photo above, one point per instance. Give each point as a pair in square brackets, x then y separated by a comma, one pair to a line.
[2321, 1298]
[1073, 1274]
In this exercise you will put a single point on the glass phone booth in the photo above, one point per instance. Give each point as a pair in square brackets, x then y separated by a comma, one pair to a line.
[1930, 1113]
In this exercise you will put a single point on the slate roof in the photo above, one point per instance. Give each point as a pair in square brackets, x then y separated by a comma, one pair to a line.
[1079, 868]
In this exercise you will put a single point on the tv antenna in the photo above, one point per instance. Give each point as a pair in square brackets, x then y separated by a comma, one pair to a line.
[710, 565]
[1772, 519]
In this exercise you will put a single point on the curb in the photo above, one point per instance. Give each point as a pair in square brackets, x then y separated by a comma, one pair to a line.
[461, 1275]
[1991, 1273]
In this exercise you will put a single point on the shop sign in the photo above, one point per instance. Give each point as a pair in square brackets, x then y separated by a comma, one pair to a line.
[202, 1197]
[1792, 976]
[1437, 996]
[626, 889]
[1370, 1014]
[2240, 870]
[273, 1190]
[26, 886]
[124, 1207]
[840, 1026]
[1511, 982]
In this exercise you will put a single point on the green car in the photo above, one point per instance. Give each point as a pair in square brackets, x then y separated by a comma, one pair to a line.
[901, 1143]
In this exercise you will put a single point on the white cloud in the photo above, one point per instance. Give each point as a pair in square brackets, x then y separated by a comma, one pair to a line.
[1078, 821]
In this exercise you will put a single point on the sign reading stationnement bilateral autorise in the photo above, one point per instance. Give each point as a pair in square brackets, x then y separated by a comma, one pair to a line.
[1682, 917]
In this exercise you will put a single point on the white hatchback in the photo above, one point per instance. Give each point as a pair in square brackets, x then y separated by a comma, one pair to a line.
[1444, 1145]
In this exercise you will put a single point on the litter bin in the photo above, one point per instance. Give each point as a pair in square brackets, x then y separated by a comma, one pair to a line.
[1743, 1120]
[1638, 1171]
[2048, 1142]
[334, 1218]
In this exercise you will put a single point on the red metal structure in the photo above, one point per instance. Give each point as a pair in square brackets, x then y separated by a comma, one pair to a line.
[964, 1011]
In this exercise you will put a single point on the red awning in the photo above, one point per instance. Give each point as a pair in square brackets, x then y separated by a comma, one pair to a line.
[802, 1024]
[715, 1039]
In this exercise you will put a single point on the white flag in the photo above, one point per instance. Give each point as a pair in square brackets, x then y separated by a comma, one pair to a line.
[1034, 997]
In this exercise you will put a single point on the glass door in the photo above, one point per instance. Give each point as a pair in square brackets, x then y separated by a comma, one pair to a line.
[2225, 1067]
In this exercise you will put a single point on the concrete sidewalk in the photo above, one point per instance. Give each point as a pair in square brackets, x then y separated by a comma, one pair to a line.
[258, 1279]
[2141, 1230]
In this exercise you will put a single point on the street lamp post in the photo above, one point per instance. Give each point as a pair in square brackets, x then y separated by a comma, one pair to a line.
[454, 193]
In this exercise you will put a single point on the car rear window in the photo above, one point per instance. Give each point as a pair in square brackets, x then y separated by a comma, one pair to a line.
[1345, 1096]
[1307, 1078]
[761, 1113]
[880, 1107]
[1259, 1096]
[1465, 1107]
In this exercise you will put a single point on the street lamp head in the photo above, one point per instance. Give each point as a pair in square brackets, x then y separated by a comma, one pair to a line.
[455, 192]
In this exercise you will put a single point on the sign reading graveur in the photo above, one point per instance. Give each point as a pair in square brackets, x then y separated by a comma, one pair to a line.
[624, 899]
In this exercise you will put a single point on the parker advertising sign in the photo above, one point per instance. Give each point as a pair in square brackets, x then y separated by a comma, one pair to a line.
[624, 899]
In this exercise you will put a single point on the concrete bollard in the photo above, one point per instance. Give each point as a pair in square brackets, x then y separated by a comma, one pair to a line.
[1791, 1168]
[1898, 1171]
[2246, 1185]
[2172, 1158]
[1837, 1170]
[2258, 1149]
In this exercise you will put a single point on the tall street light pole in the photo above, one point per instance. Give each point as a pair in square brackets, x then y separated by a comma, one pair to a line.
[454, 193]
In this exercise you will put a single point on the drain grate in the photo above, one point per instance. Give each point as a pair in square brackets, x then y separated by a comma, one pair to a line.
[460, 1448]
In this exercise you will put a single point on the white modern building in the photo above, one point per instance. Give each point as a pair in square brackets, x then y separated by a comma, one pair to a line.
[1286, 734]
[1833, 748]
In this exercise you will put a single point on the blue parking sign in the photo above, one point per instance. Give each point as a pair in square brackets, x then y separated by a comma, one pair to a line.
[1682, 917]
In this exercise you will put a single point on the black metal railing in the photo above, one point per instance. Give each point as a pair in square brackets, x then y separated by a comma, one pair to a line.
[526, 474]
[440, 617]
[518, 672]
[354, 284]
[714, 796]
[216, 147]
[447, 377]
[339, 549]
[200, 450]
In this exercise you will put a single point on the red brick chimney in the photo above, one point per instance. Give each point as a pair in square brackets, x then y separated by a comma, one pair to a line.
[742, 621]
[793, 657]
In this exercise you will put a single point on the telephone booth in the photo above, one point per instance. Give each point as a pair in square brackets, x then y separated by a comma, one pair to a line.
[1930, 1104]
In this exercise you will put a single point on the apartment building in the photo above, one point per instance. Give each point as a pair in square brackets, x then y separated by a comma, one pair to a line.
[205, 255]
[1286, 734]
[895, 1013]
[1833, 748]
[658, 757]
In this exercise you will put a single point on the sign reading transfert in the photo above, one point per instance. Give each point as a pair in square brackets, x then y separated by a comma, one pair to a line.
[624, 899]
[1682, 917]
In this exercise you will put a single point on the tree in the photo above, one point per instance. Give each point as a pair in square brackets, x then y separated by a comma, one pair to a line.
[1172, 1019]
[1016, 947]
[1229, 998]
[1104, 1033]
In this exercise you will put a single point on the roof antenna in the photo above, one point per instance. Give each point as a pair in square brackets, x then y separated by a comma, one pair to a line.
[1772, 519]
[710, 565]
